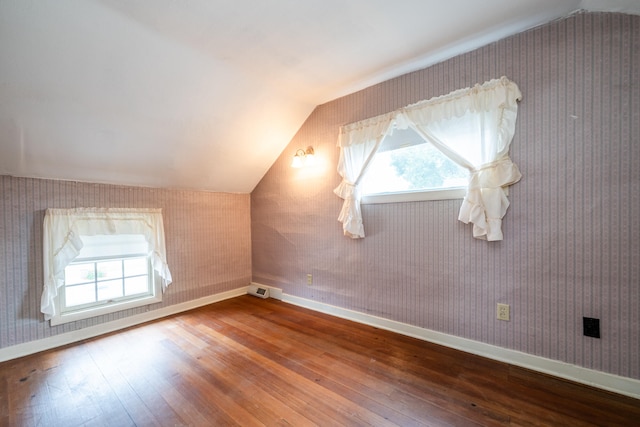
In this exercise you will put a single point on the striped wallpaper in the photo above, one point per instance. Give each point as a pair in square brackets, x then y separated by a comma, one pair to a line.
[207, 236]
[572, 233]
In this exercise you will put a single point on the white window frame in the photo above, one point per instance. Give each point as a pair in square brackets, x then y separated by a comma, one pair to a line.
[66, 314]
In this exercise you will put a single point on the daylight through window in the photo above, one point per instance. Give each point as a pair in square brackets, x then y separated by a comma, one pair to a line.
[406, 163]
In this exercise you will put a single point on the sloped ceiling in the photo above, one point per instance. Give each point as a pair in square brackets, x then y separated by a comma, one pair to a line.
[206, 94]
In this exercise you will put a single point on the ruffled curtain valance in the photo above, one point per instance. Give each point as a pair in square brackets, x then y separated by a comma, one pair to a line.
[473, 127]
[62, 241]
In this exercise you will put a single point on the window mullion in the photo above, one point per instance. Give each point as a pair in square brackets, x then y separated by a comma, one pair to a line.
[122, 263]
[95, 280]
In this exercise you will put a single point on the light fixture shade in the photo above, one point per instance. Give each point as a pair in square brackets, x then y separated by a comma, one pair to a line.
[303, 158]
[309, 159]
[297, 162]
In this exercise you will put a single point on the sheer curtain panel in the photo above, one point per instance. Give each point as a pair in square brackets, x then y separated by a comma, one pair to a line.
[62, 241]
[358, 144]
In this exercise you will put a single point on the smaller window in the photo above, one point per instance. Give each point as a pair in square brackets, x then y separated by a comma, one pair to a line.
[111, 273]
[408, 168]
[89, 282]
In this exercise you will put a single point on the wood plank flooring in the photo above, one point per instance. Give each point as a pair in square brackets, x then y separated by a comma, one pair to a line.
[252, 362]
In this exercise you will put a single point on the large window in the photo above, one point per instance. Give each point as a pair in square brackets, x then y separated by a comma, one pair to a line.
[473, 127]
[408, 168]
[98, 261]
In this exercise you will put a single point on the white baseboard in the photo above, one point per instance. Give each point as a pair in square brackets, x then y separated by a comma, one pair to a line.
[32, 347]
[622, 385]
[617, 384]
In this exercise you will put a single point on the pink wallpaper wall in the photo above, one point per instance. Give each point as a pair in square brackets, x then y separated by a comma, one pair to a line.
[207, 236]
[572, 239]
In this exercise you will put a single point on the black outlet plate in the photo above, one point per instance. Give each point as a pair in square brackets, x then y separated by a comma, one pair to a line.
[591, 327]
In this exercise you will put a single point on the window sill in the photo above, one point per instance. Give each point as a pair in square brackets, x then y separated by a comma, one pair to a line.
[87, 313]
[414, 196]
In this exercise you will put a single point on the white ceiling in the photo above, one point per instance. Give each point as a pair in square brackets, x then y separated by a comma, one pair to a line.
[206, 94]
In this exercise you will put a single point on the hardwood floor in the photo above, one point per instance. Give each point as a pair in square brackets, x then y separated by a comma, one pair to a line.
[252, 362]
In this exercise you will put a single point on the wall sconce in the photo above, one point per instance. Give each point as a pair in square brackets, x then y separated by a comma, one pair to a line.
[303, 158]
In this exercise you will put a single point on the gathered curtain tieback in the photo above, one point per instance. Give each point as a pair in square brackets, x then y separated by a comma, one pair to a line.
[495, 174]
[350, 215]
[486, 203]
[346, 190]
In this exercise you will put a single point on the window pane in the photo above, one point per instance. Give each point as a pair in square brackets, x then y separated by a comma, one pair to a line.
[425, 167]
[79, 273]
[406, 162]
[382, 177]
[136, 266]
[110, 282]
[80, 294]
[109, 269]
[413, 168]
[136, 285]
[109, 289]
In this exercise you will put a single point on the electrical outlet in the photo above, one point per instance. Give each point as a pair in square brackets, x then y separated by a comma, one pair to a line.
[309, 279]
[503, 312]
[591, 327]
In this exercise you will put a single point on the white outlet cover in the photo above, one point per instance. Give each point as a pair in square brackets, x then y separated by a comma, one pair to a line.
[503, 312]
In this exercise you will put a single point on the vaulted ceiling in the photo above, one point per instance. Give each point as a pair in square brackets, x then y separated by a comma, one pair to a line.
[206, 94]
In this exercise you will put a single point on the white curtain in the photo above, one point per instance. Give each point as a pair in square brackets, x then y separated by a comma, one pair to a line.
[358, 143]
[474, 128]
[62, 243]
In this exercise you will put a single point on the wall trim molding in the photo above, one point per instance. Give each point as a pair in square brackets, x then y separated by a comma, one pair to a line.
[614, 383]
[49, 343]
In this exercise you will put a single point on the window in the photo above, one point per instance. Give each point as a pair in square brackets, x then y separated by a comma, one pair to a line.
[98, 260]
[111, 272]
[104, 281]
[473, 127]
[408, 168]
